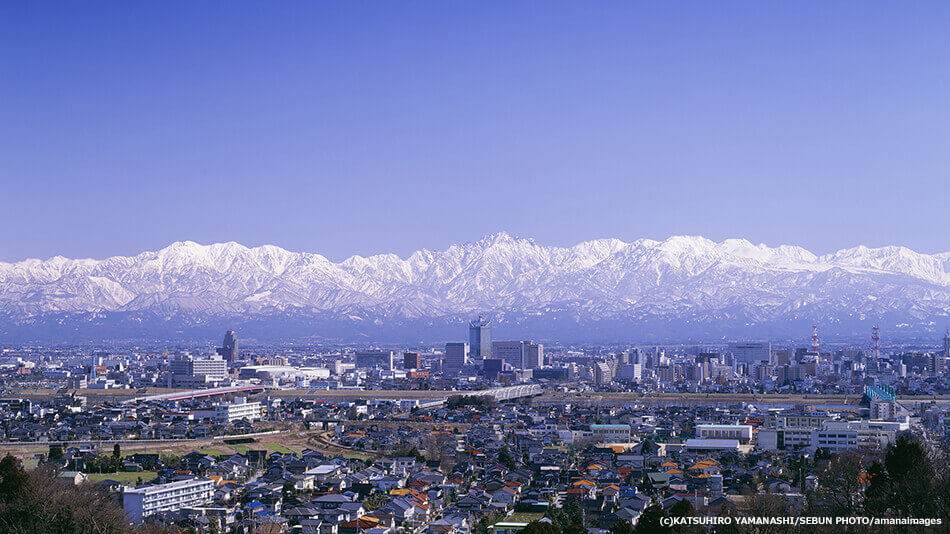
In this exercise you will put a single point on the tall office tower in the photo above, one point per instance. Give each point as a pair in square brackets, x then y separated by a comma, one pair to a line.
[411, 360]
[513, 352]
[751, 352]
[937, 364]
[229, 349]
[946, 344]
[456, 356]
[781, 357]
[637, 356]
[368, 359]
[479, 338]
[534, 356]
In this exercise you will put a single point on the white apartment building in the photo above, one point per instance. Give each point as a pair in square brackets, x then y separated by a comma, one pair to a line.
[143, 501]
[611, 433]
[875, 435]
[237, 410]
[832, 436]
[743, 433]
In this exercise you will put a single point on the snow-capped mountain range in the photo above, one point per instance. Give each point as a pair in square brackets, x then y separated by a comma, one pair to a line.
[603, 285]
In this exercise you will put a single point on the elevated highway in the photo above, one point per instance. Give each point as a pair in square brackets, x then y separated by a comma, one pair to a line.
[198, 393]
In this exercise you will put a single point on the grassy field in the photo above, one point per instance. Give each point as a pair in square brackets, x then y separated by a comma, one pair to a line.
[129, 477]
[356, 455]
[240, 448]
[212, 452]
[277, 447]
[523, 517]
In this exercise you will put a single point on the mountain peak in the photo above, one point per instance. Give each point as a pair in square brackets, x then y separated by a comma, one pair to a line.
[687, 277]
[498, 238]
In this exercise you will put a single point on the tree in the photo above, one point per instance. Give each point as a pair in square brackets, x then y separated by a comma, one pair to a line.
[505, 458]
[117, 451]
[651, 521]
[541, 527]
[769, 505]
[55, 452]
[569, 518]
[840, 485]
[648, 447]
[484, 524]
[910, 483]
[684, 508]
[12, 478]
[374, 500]
[37, 501]
[289, 494]
[622, 527]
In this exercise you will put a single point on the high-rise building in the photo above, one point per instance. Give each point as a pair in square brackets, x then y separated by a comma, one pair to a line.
[751, 352]
[665, 373]
[479, 338]
[375, 358]
[637, 356]
[946, 344]
[603, 374]
[937, 364]
[513, 352]
[534, 356]
[456, 356]
[186, 371]
[411, 360]
[229, 349]
[493, 368]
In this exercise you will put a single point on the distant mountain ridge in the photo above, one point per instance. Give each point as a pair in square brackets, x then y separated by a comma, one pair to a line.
[605, 286]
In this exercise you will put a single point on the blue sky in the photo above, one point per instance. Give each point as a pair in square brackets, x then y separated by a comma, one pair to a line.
[364, 127]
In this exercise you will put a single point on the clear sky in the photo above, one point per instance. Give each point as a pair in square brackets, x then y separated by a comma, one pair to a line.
[364, 127]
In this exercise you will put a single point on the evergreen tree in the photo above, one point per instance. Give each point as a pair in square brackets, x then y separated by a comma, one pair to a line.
[505, 458]
[908, 484]
[541, 527]
[622, 527]
[651, 521]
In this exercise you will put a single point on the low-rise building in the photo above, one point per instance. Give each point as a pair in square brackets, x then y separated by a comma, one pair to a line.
[143, 501]
[237, 410]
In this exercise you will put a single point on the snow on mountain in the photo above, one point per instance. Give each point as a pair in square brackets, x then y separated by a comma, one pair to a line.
[690, 278]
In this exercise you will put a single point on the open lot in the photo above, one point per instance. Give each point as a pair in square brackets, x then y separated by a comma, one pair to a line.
[284, 442]
[125, 477]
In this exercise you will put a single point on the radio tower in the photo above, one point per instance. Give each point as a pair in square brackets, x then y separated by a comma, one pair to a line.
[876, 347]
[814, 338]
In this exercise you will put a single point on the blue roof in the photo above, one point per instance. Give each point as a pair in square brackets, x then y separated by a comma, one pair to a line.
[881, 392]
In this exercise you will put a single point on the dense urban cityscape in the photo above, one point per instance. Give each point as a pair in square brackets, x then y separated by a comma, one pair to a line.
[484, 436]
